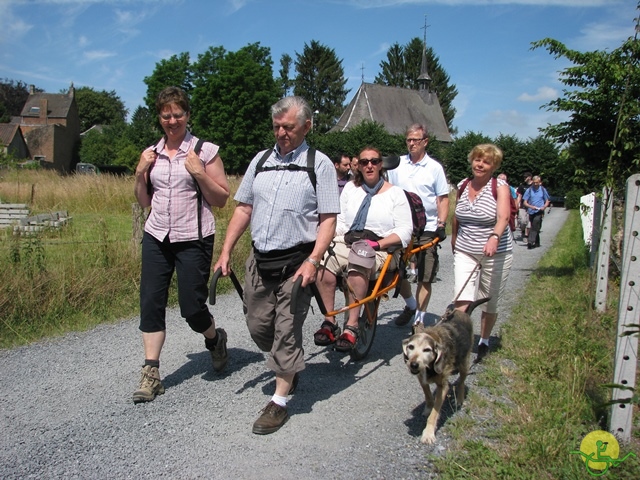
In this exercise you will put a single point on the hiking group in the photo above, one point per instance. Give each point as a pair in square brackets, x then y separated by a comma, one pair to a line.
[313, 218]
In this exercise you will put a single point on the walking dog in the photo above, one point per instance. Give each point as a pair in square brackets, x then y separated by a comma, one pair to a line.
[434, 353]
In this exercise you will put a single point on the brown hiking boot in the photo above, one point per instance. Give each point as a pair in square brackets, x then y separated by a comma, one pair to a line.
[273, 417]
[405, 317]
[219, 354]
[150, 385]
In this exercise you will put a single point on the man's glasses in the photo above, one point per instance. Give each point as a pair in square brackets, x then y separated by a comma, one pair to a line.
[176, 116]
[363, 162]
[415, 140]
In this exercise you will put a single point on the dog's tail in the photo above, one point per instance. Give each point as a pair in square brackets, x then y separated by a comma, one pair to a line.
[473, 305]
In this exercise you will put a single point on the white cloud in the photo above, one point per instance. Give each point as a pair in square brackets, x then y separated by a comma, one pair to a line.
[10, 26]
[536, 3]
[94, 55]
[83, 41]
[543, 94]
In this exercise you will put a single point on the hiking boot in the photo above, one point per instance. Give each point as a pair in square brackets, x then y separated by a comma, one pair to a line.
[405, 317]
[273, 417]
[150, 385]
[483, 350]
[219, 354]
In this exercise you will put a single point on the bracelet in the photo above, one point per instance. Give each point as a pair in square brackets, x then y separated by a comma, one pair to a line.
[313, 262]
[442, 224]
[494, 234]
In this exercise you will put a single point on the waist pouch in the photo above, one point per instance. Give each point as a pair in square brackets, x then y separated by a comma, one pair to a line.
[278, 265]
[353, 236]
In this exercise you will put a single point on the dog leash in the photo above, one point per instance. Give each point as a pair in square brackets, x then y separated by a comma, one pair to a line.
[477, 267]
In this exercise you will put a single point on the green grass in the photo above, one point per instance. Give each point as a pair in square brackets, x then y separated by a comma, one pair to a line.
[541, 393]
[85, 273]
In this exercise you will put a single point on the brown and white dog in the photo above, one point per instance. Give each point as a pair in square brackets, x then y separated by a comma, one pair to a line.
[434, 353]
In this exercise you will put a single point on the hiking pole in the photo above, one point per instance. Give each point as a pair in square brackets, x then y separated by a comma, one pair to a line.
[214, 283]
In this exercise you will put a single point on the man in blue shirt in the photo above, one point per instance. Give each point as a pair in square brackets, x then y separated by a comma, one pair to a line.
[536, 200]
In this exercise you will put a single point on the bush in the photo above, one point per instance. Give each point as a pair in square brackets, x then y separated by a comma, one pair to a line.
[572, 199]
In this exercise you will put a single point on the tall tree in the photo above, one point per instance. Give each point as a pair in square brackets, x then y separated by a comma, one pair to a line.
[232, 94]
[99, 108]
[285, 67]
[174, 71]
[320, 80]
[402, 69]
[13, 96]
[142, 131]
[603, 128]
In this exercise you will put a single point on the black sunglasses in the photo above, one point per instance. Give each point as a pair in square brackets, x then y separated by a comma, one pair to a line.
[363, 162]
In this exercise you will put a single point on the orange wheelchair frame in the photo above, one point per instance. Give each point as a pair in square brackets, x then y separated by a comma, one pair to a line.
[367, 321]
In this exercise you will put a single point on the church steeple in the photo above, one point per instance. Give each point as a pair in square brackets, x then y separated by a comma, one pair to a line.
[424, 80]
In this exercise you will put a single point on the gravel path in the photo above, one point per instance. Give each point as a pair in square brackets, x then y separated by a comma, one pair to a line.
[66, 409]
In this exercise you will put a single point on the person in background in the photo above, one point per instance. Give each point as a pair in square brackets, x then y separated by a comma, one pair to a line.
[370, 208]
[180, 186]
[292, 223]
[354, 165]
[343, 170]
[523, 216]
[536, 200]
[423, 175]
[481, 237]
[514, 193]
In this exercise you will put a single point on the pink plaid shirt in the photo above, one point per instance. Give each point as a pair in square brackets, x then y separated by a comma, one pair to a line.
[174, 205]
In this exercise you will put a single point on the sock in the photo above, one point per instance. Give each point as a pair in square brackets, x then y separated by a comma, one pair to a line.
[419, 318]
[411, 303]
[210, 343]
[484, 341]
[152, 363]
[278, 400]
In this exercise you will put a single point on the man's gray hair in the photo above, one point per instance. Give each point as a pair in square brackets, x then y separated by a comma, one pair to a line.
[283, 105]
[414, 127]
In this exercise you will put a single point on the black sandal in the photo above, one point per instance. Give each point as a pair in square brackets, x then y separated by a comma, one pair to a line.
[347, 341]
[327, 335]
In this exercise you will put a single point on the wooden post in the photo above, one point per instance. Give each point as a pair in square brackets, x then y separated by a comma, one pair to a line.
[137, 214]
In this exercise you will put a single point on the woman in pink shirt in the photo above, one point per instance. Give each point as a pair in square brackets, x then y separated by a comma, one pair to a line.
[180, 178]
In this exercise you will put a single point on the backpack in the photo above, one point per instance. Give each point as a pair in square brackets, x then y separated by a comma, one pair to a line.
[418, 214]
[310, 168]
[513, 210]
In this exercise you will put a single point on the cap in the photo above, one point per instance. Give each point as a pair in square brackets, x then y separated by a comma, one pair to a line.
[362, 254]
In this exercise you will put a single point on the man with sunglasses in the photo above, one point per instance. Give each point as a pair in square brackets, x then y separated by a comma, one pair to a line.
[423, 175]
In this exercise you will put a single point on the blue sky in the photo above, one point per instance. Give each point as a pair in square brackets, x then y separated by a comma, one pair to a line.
[484, 45]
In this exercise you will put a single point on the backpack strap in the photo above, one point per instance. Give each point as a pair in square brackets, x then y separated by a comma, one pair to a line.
[463, 186]
[197, 149]
[310, 168]
[494, 188]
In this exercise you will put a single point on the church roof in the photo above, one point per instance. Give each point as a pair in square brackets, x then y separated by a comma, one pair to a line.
[395, 108]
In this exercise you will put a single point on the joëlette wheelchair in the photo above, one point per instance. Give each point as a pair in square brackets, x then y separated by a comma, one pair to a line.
[386, 280]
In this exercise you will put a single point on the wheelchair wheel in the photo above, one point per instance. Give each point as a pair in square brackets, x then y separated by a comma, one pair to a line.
[366, 331]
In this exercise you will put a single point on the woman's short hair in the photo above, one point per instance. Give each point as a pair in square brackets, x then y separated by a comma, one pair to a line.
[285, 104]
[488, 151]
[171, 95]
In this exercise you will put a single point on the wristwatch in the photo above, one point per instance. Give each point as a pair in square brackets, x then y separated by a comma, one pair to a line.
[313, 262]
